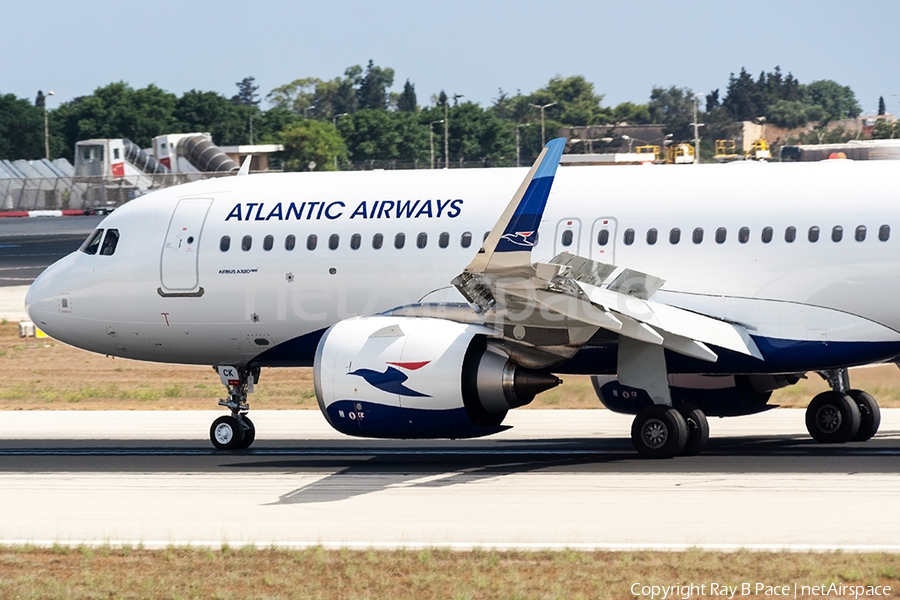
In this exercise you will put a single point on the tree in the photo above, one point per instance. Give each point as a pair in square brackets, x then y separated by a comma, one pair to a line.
[371, 135]
[838, 101]
[673, 107]
[307, 142]
[634, 114]
[116, 111]
[576, 102]
[296, 95]
[881, 108]
[373, 86]
[228, 122]
[21, 129]
[246, 95]
[406, 102]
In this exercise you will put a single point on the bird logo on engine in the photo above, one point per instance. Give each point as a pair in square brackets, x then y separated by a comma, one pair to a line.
[391, 379]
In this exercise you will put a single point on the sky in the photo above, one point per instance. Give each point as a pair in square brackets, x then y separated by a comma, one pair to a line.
[463, 47]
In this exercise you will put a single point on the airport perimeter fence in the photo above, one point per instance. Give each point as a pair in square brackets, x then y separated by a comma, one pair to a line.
[106, 193]
[85, 193]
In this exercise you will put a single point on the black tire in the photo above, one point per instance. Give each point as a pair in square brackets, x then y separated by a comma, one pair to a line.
[869, 415]
[697, 427]
[659, 431]
[249, 434]
[832, 418]
[226, 433]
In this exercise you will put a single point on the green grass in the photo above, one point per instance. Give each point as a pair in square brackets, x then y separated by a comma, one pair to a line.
[250, 572]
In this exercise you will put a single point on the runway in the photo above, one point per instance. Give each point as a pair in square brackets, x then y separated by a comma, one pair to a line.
[557, 479]
[28, 246]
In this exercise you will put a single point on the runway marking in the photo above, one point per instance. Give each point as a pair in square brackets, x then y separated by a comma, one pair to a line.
[457, 546]
[812, 450]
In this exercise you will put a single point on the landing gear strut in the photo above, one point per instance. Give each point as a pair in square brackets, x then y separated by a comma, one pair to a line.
[235, 431]
[842, 414]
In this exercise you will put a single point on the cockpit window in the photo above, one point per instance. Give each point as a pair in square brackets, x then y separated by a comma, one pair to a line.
[110, 242]
[92, 243]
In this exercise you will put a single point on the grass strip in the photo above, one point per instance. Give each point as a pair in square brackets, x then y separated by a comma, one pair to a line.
[249, 572]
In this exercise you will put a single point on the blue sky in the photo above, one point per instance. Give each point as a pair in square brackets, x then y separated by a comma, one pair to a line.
[464, 46]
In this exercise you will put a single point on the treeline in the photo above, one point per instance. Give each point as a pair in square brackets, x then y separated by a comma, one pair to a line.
[357, 120]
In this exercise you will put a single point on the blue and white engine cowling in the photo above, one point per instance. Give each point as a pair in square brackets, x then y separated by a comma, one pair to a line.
[405, 377]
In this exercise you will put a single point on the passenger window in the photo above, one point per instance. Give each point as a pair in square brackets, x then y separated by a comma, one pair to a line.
[399, 240]
[721, 235]
[744, 235]
[444, 240]
[674, 235]
[813, 235]
[355, 241]
[766, 235]
[225, 243]
[567, 238]
[697, 236]
[628, 238]
[486, 233]
[377, 241]
[884, 233]
[268, 242]
[837, 233]
[860, 234]
[92, 243]
[289, 242]
[246, 243]
[311, 242]
[466, 240]
[651, 236]
[110, 242]
[603, 237]
[790, 234]
[422, 240]
[333, 241]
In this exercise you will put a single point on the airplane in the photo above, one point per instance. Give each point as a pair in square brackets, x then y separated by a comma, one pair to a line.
[428, 310]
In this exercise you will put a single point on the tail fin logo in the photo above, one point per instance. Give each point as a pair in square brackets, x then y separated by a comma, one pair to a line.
[526, 239]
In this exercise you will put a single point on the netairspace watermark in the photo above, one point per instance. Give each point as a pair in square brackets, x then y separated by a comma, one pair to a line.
[737, 590]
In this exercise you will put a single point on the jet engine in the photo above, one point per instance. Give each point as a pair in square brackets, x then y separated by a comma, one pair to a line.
[715, 395]
[411, 377]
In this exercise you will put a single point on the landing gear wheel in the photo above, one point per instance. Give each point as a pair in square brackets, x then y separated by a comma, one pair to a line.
[832, 418]
[226, 433]
[869, 415]
[697, 427]
[659, 431]
[249, 433]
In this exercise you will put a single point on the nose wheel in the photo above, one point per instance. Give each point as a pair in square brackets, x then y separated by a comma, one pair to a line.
[235, 431]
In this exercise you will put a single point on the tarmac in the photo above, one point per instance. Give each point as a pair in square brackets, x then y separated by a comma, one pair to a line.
[12, 303]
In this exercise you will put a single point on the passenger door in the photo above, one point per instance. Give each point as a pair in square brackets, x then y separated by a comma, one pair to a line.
[179, 261]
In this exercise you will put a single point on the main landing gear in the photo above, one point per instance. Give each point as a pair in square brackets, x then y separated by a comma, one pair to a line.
[842, 414]
[235, 431]
[661, 431]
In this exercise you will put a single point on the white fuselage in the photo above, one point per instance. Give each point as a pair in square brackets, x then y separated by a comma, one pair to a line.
[169, 293]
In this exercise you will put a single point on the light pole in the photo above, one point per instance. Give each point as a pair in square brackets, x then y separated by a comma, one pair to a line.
[447, 129]
[519, 142]
[697, 127]
[306, 110]
[47, 127]
[334, 124]
[542, 107]
[431, 131]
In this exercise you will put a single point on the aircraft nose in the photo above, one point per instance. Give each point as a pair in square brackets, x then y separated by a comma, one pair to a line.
[44, 297]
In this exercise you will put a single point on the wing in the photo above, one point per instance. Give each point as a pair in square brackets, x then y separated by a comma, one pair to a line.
[545, 312]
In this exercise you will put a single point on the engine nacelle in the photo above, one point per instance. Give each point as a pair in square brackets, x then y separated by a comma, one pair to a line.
[715, 395]
[405, 377]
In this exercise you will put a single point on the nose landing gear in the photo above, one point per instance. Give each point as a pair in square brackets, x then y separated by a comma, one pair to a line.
[235, 431]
